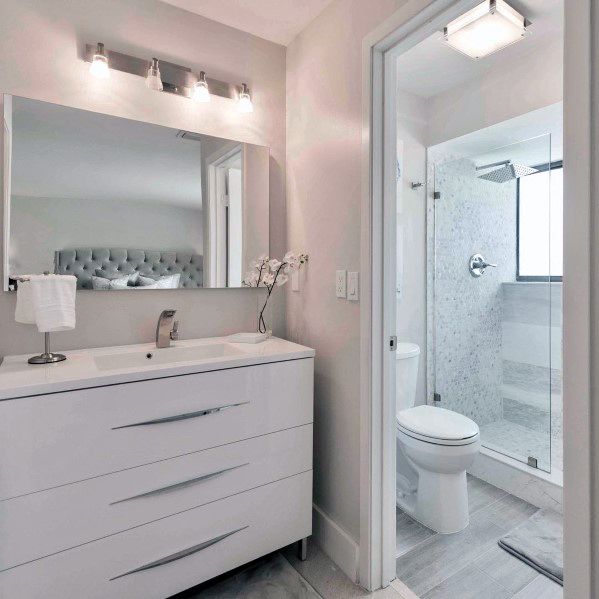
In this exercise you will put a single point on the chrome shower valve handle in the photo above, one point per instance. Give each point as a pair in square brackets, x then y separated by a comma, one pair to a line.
[477, 265]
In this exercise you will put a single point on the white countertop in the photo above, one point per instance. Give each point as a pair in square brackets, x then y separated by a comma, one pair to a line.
[79, 370]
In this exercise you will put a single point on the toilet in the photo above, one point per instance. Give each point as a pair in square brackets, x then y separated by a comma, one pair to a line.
[435, 447]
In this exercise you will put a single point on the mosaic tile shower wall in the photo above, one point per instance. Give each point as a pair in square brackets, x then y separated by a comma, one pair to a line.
[472, 216]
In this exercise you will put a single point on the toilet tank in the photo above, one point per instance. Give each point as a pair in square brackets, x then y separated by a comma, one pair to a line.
[406, 373]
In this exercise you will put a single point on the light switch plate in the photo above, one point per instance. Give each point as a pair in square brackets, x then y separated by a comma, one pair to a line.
[353, 286]
[341, 283]
[295, 283]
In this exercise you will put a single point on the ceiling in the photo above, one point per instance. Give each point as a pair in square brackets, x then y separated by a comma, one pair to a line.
[61, 152]
[530, 139]
[432, 67]
[276, 20]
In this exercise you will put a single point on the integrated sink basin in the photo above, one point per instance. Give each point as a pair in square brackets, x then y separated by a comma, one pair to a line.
[169, 355]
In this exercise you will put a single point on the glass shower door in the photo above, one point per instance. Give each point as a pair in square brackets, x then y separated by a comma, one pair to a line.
[496, 295]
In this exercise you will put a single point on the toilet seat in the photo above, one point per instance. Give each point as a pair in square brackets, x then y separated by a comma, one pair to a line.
[437, 425]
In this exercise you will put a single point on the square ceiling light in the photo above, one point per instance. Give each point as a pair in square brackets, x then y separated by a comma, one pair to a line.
[487, 28]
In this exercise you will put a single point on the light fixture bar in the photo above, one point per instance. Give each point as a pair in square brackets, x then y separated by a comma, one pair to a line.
[176, 79]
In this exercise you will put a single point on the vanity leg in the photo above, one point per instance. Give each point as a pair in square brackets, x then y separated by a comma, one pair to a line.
[302, 549]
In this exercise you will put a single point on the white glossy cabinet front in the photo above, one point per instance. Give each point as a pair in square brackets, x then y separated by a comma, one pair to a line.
[100, 481]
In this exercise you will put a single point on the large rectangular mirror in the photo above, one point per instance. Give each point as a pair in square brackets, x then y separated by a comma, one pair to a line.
[123, 204]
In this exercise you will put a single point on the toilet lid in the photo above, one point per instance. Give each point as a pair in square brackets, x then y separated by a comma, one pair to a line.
[437, 423]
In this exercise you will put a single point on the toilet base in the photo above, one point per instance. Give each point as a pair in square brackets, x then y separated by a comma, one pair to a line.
[442, 501]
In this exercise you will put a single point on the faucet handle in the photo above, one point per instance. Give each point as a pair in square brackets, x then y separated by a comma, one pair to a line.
[175, 332]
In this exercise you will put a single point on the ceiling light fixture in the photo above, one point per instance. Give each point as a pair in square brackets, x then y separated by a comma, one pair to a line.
[153, 80]
[200, 92]
[488, 27]
[99, 65]
[245, 100]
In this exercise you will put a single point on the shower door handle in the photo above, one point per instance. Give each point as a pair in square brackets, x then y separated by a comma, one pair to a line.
[478, 264]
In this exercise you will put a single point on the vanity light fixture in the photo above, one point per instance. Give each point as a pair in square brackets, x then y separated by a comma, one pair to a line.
[488, 27]
[153, 80]
[167, 77]
[99, 64]
[245, 100]
[200, 92]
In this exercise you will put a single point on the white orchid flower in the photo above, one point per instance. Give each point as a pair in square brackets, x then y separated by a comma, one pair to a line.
[274, 264]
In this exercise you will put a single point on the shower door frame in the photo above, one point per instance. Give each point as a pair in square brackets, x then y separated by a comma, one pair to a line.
[376, 551]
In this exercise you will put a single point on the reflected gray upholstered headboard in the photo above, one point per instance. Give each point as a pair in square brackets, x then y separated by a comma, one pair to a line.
[83, 262]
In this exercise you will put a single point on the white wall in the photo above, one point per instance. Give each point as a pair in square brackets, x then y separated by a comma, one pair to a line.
[324, 145]
[57, 224]
[40, 46]
[411, 229]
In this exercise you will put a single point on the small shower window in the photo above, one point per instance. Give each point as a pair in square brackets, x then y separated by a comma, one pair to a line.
[540, 224]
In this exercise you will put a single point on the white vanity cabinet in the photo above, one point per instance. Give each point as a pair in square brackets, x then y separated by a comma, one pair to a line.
[146, 488]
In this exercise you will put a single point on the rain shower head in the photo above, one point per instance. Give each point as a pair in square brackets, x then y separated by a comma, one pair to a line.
[507, 171]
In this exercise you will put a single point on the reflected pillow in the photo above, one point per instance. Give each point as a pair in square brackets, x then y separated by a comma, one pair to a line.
[167, 282]
[102, 284]
[112, 275]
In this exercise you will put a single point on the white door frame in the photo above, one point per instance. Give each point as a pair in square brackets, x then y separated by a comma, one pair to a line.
[409, 25]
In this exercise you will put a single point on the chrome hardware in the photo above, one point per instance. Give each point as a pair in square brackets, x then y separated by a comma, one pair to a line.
[178, 417]
[416, 185]
[532, 462]
[175, 332]
[393, 343]
[477, 265]
[181, 485]
[181, 554]
[302, 549]
[437, 397]
[437, 195]
[164, 328]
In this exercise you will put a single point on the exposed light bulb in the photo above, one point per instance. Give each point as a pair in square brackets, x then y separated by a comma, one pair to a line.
[99, 65]
[153, 80]
[201, 93]
[245, 100]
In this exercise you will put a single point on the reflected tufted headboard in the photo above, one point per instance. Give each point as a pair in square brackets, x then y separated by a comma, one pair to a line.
[83, 262]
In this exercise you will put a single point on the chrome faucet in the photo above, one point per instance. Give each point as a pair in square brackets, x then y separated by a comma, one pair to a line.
[167, 329]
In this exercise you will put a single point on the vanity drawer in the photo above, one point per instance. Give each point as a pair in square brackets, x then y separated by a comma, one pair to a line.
[43, 523]
[186, 549]
[55, 439]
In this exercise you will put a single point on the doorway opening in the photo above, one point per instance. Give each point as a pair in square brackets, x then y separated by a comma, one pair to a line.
[478, 235]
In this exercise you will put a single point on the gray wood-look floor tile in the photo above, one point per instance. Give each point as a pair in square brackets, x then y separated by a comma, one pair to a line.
[409, 533]
[507, 570]
[541, 588]
[439, 557]
[468, 583]
[481, 494]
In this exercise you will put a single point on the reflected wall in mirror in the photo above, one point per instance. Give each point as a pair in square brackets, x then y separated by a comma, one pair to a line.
[123, 204]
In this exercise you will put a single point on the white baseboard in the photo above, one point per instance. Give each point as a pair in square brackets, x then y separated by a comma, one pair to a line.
[336, 543]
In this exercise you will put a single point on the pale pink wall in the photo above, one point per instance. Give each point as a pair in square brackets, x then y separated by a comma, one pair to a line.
[39, 47]
[324, 128]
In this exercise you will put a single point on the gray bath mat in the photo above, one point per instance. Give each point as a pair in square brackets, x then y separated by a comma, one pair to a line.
[538, 542]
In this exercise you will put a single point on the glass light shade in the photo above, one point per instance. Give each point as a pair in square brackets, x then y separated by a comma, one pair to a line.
[245, 101]
[99, 65]
[487, 28]
[153, 80]
[201, 93]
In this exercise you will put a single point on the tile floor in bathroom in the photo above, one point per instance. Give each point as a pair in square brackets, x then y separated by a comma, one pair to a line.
[519, 442]
[281, 575]
[470, 564]
[466, 565]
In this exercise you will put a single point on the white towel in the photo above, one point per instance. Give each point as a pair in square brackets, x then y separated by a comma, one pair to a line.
[47, 301]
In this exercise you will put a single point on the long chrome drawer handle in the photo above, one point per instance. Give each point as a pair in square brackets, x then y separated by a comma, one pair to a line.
[181, 554]
[186, 416]
[185, 483]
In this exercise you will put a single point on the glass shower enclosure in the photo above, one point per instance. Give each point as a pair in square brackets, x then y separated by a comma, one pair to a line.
[494, 296]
